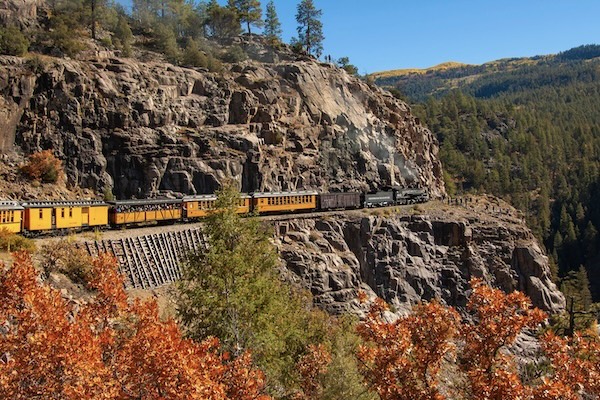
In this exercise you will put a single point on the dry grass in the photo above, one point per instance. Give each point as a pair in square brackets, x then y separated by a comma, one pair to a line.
[10, 241]
[402, 72]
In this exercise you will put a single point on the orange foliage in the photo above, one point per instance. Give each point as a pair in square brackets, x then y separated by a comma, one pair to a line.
[576, 365]
[43, 166]
[312, 366]
[401, 360]
[106, 349]
[499, 317]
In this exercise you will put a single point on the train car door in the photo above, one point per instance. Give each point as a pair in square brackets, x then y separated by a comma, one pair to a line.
[53, 218]
[85, 216]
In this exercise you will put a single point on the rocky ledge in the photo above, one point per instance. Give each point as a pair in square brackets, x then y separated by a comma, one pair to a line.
[138, 128]
[413, 255]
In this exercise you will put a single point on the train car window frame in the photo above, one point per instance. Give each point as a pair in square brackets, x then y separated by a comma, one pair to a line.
[70, 212]
[41, 214]
[62, 212]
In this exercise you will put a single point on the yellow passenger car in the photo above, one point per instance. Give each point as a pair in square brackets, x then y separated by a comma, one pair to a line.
[48, 215]
[284, 201]
[11, 216]
[124, 212]
[199, 206]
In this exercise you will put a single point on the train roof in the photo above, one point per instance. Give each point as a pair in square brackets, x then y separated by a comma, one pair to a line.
[62, 203]
[9, 205]
[211, 197]
[414, 191]
[143, 202]
[284, 194]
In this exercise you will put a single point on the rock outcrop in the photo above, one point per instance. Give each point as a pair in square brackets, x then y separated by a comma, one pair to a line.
[22, 13]
[406, 258]
[139, 128]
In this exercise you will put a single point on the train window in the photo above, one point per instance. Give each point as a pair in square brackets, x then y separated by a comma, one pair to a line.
[2, 215]
[70, 212]
[41, 213]
[12, 216]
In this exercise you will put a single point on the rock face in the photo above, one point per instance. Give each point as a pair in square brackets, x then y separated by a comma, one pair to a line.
[409, 258]
[22, 13]
[138, 128]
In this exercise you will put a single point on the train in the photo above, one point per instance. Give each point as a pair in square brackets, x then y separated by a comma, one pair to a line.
[32, 218]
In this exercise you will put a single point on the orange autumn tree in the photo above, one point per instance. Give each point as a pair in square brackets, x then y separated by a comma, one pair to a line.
[402, 359]
[498, 320]
[106, 349]
[311, 367]
[44, 166]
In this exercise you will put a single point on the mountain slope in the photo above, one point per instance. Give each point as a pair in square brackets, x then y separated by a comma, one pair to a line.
[527, 130]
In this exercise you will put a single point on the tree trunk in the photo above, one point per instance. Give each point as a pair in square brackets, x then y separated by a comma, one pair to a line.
[93, 4]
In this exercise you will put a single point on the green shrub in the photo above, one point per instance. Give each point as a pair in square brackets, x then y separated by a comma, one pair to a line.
[193, 56]
[12, 41]
[36, 64]
[107, 42]
[65, 37]
[235, 54]
[214, 65]
[108, 195]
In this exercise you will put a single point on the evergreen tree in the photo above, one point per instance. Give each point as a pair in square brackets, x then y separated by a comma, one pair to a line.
[232, 291]
[123, 36]
[344, 63]
[145, 12]
[272, 29]
[249, 12]
[310, 28]
[222, 21]
[166, 43]
[590, 239]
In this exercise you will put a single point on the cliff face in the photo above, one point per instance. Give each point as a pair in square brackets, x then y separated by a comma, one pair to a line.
[141, 127]
[408, 258]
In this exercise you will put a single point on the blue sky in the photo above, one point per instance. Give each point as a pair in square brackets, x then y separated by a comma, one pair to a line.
[380, 35]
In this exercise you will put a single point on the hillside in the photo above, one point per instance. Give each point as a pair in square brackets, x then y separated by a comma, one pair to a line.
[527, 130]
[495, 78]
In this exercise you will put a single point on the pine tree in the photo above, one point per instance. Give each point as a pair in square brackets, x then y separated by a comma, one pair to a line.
[223, 22]
[232, 291]
[272, 29]
[310, 28]
[248, 11]
[123, 35]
